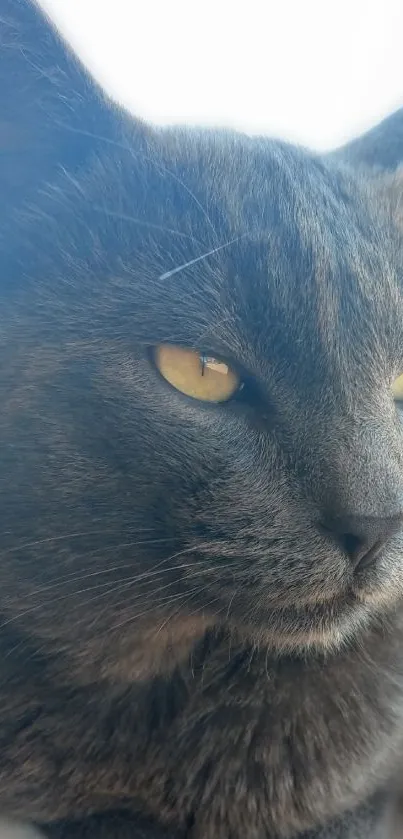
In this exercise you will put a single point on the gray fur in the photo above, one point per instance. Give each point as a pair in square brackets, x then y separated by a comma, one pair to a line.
[188, 645]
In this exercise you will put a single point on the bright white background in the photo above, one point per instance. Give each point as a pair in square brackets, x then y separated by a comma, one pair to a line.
[314, 71]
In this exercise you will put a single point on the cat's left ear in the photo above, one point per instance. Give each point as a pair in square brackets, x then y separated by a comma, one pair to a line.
[50, 109]
[381, 148]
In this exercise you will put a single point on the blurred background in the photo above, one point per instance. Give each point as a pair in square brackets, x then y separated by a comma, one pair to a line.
[313, 71]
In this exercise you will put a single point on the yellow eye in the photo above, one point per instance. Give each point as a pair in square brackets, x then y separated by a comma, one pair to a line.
[397, 388]
[195, 374]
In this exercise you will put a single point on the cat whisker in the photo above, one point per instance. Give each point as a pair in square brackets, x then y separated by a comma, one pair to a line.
[197, 259]
[177, 611]
[230, 603]
[142, 577]
[161, 600]
[26, 641]
[142, 223]
[110, 590]
[182, 596]
[141, 156]
[130, 581]
[64, 536]
[74, 577]
[193, 592]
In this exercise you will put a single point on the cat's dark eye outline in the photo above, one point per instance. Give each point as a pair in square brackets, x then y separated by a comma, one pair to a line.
[203, 403]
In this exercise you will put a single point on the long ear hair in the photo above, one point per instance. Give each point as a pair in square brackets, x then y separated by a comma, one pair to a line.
[49, 107]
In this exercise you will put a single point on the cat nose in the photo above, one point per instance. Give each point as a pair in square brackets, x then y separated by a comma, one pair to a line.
[363, 538]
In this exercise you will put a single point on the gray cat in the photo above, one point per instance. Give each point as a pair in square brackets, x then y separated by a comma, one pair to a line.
[201, 469]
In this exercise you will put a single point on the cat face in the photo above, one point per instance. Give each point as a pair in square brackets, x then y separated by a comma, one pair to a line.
[199, 338]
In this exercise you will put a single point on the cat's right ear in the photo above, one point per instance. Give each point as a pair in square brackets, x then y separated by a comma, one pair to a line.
[50, 109]
[381, 148]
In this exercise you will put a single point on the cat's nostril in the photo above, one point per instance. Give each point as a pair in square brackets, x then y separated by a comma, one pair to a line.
[356, 548]
[363, 538]
[361, 553]
[352, 546]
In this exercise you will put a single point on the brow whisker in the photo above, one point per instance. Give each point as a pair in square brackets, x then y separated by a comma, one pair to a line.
[141, 155]
[141, 223]
[197, 259]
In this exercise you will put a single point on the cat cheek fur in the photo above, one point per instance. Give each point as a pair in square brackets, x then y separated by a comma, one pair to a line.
[186, 647]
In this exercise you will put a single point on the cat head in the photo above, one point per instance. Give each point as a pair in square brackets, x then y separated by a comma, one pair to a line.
[200, 332]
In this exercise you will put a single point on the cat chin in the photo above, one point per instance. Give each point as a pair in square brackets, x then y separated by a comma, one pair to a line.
[327, 632]
[327, 626]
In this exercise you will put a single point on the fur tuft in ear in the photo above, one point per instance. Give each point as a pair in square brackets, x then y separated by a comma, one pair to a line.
[49, 106]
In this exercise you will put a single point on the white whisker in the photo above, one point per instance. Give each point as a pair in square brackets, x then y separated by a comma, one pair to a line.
[142, 223]
[129, 581]
[142, 156]
[64, 536]
[197, 259]
[171, 598]
[73, 577]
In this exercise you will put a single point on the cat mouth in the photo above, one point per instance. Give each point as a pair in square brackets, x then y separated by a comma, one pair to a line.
[325, 626]
[323, 615]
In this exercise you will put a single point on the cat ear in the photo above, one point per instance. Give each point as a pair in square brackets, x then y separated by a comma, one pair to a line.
[49, 107]
[380, 148]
